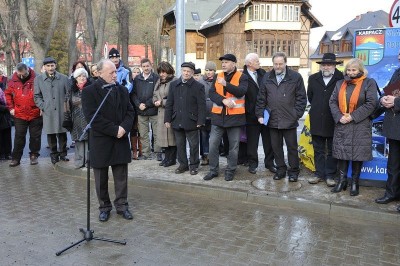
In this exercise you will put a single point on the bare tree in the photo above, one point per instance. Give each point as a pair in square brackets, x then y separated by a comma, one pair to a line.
[72, 10]
[122, 16]
[96, 39]
[40, 41]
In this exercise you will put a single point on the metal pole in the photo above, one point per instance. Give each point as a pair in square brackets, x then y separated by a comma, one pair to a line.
[180, 35]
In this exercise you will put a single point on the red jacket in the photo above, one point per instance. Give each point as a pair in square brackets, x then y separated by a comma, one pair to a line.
[20, 97]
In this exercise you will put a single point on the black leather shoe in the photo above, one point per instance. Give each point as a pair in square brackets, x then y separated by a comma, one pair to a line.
[14, 163]
[398, 208]
[210, 176]
[64, 158]
[169, 163]
[126, 214]
[272, 169]
[278, 176]
[229, 176]
[54, 159]
[194, 171]
[181, 169]
[162, 162]
[384, 200]
[293, 178]
[252, 170]
[104, 216]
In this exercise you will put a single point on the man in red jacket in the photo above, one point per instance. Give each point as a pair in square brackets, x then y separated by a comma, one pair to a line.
[19, 95]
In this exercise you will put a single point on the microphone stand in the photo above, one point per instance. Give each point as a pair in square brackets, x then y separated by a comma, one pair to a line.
[88, 233]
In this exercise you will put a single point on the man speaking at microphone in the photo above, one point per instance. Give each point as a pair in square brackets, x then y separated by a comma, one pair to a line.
[109, 143]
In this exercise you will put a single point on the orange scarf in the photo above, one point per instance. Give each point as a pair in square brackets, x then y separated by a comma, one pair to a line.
[354, 95]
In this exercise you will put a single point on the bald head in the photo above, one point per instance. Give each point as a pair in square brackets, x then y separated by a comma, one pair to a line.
[107, 70]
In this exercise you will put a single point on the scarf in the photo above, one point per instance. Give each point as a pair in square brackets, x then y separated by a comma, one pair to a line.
[81, 85]
[354, 96]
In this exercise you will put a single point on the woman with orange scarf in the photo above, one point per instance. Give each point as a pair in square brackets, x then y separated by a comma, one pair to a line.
[352, 102]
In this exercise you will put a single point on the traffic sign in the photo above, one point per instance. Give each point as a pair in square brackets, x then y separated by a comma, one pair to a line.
[29, 61]
[394, 15]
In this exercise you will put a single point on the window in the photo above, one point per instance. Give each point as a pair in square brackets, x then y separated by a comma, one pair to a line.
[195, 16]
[261, 48]
[336, 47]
[324, 48]
[291, 13]
[255, 47]
[285, 13]
[296, 13]
[199, 50]
[347, 47]
[250, 13]
[268, 12]
[256, 12]
[262, 12]
[249, 46]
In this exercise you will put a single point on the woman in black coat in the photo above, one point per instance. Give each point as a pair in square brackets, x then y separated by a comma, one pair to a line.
[352, 102]
[5, 129]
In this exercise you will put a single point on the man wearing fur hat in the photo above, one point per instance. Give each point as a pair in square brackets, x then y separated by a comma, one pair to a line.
[123, 74]
[49, 95]
[320, 88]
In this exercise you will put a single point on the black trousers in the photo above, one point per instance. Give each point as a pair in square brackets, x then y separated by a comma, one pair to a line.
[120, 173]
[253, 134]
[393, 170]
[35, 136]
[192, 137]
[170, 153]
[325, 164]
[5, 142]
[62, 144]
[290, 136]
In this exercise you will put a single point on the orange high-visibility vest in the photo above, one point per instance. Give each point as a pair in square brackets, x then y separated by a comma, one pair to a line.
[238, 109]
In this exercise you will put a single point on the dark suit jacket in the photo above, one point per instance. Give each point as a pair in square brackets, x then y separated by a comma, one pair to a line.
[105, 148]
[186, 105]
[251, 95]
[321, 120]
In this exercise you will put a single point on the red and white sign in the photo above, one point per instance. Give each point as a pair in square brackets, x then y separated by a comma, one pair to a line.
[394, 15]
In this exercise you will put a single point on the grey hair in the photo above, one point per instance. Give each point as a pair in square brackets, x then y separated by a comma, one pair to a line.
[280, 54]
[21, 66]
[101, 63]
[80, 71]
[249, 58]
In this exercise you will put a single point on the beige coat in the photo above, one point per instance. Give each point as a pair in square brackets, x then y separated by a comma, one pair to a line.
[165, 135]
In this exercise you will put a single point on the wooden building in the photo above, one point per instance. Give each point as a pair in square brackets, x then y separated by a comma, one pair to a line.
[243, 26]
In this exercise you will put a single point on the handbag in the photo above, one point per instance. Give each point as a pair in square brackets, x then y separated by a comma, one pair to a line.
[67, 123]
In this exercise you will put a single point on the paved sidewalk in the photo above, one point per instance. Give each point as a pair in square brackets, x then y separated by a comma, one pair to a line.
[260, 189]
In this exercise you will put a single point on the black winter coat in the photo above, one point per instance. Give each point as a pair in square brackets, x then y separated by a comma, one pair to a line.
[186, 105]
[223, 120]
[321, 120]
[286, 101]
[251, 95]
[143, 93]
[105, 148]
[353, 141]
[391, 122]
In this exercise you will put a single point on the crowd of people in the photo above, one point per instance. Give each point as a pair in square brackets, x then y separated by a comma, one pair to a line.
[152, 115]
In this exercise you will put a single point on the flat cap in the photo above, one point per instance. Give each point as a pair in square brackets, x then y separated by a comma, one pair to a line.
[197, 71]
[189, 65]
[229, 57]
[49, 60]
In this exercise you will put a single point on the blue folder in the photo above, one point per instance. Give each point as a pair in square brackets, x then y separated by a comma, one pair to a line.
[266, 116]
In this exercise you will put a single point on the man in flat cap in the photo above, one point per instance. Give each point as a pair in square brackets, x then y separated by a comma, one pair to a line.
[185, 112]
[227, 114]
[319, 91]
[49, 95]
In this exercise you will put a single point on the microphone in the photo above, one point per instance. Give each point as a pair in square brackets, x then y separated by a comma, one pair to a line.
[109, 86]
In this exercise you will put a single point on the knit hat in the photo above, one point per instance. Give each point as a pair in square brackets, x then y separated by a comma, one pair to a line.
[80, 71]
[113, 53]
[211, 66]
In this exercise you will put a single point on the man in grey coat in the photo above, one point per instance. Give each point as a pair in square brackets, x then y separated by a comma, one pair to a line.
[49, 96]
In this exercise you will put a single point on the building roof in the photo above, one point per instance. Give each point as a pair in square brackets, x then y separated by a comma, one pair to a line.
[229, 7]
[196, 12]
[369, 20]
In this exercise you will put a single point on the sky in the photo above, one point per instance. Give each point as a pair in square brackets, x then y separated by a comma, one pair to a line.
[335, 14]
